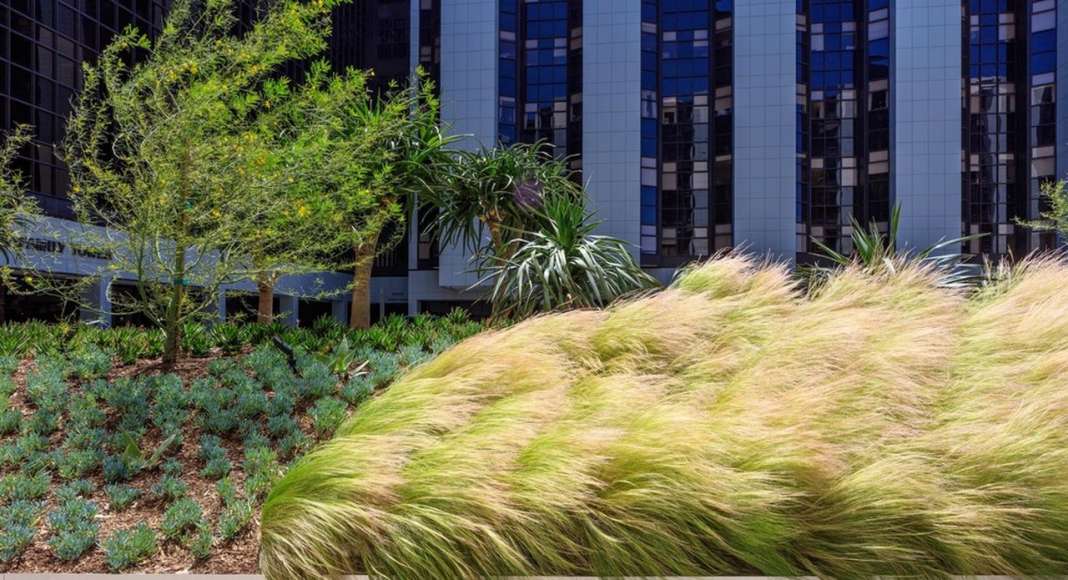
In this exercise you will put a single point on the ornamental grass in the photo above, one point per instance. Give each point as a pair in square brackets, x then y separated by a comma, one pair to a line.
[732, 424]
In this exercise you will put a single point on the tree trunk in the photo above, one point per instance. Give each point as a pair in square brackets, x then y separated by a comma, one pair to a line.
[265, 308]
[360, 315]
[171, 327]
[501, 251]
[496, 238]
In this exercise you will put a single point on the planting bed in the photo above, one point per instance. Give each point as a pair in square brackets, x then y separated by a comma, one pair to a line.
[108, 467]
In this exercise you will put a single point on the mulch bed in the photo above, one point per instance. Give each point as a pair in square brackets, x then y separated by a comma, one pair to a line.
[235, 557]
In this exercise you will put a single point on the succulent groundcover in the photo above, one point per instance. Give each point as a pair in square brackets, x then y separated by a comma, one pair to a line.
[733, 424]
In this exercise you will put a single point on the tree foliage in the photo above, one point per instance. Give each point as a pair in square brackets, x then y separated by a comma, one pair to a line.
[496, 192]
[1055, 217]
[16, 208]
[380, 153]
[183, 160]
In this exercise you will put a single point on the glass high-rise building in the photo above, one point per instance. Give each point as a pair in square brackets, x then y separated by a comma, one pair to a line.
[706, 125]
[1010, 111]
[698, 126]
[42, 46]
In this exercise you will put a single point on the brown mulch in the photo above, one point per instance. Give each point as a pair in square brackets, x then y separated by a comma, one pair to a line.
[236, 557]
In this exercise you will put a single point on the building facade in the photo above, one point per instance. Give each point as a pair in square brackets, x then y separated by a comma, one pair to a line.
[705, 125]
[697, 125]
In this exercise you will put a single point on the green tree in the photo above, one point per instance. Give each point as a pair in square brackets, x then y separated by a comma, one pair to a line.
[485, 198]
[383, 151]
[17, 210]
[298, 133]
[170, 157]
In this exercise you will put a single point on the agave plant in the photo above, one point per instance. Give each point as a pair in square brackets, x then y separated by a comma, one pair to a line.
[877, 252]
[342, 358]
[13, 341]
[564, 265]
[195, 339]
[231, 338]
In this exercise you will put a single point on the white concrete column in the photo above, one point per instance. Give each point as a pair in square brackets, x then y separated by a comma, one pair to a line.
[97, 303]
[339, 309]
[612, 116]
[289, 310]
[765, 127]
[469, 39]
[926, 113]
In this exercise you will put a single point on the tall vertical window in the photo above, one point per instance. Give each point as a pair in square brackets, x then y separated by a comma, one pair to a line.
[540, 75]
[650, 170]
[803, 42]
[991, 109]
[687, 140]
[1010, 121]
[508, 71]
[833, 111]
[876, 102]
[1042, 115]
[430, 61]
[430, 39]
[844, 119]
[545, 52]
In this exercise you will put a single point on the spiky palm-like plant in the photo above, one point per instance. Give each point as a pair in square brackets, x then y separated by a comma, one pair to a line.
[564, 264]
[878, 252]
[496, 191]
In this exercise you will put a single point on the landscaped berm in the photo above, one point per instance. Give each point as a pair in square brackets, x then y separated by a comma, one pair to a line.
[730, 425]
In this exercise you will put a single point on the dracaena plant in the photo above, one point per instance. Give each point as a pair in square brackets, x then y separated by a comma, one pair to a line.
[563, 264]
[483, 197]
[878, 252]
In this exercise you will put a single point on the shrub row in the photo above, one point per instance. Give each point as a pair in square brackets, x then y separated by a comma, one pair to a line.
[92, 348]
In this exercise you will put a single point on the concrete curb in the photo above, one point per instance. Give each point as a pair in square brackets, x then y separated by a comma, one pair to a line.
[258, 577]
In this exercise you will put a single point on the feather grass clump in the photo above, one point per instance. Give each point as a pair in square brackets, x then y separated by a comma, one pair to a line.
[729, 425]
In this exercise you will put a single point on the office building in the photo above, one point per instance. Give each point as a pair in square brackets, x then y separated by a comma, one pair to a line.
[705, 125]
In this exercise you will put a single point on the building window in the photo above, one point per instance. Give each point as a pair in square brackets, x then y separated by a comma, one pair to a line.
[540, 75]
[687, 130]
[427, 250]
[1009, 104]
[843, 95]
[42, 45]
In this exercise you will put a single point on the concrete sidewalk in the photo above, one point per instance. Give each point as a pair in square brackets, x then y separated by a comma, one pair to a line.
[135, 576]
[258, 577]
